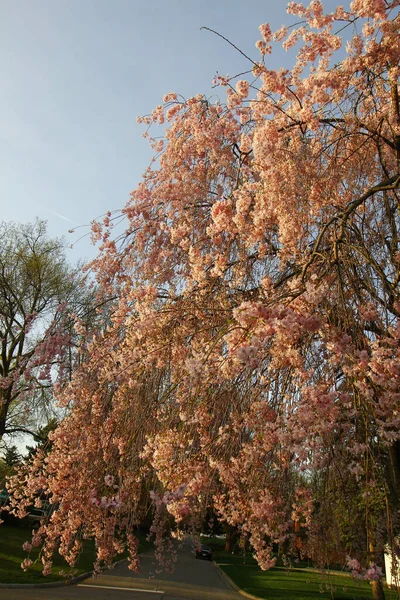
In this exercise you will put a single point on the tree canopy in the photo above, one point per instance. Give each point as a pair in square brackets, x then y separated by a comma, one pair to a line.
[38, 289]
[252, 362]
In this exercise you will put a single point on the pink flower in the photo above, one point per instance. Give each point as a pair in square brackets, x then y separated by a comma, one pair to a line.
[266, 32]
[374, 573]
[369, 8]
[27, 546]
[109, 480]
[353, 564]
[242, 88]
[26, 563]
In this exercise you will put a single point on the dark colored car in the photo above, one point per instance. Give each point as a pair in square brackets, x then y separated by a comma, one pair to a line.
[204, 552]
[35, 517]
[4, 496]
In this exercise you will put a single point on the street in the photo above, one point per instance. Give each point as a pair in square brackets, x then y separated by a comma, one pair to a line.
[193, 579]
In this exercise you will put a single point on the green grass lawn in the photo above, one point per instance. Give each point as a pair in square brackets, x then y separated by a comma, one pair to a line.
[290, 584]
[295, 584]
[11, 555]
[13, 535]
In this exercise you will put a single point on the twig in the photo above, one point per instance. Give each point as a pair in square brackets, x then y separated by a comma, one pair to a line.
[229, 42]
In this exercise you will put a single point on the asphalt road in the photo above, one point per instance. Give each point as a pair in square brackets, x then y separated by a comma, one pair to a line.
[193, 579]
[76, 593]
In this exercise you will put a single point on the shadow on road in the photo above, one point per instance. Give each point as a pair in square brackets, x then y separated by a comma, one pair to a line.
[192, 579]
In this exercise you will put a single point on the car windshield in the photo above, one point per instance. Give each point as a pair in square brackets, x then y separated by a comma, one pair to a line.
[37, 512]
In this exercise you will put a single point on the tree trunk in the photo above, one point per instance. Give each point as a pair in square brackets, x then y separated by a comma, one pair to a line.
[2, 414]
[377, 587]
[377, 590]
[5, 399]
[231, 537]
[393, 474]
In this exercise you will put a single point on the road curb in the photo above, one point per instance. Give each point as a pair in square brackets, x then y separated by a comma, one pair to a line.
[233, 584]
[54, 584]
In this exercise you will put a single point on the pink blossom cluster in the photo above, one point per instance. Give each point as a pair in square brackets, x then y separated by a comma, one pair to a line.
[372, 573]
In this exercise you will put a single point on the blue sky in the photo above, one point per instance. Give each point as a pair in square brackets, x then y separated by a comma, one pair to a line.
[75, 74]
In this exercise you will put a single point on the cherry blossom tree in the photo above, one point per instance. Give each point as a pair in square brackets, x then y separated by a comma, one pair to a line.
[252, 361]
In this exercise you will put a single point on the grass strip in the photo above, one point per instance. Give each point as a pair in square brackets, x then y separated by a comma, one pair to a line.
[11, 556]
[12, 537]
[290, 584]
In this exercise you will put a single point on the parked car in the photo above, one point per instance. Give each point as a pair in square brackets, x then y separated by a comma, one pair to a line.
[204, 551]
[4, 496]
[35, 517]
[4, 507]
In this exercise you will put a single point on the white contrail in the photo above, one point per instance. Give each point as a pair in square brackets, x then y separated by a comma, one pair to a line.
[62, 217]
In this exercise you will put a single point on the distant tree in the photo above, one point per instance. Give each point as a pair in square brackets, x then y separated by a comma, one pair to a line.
[12, 458]
[38, 290]
[3, 475]
[41, 437]
[8, 462]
